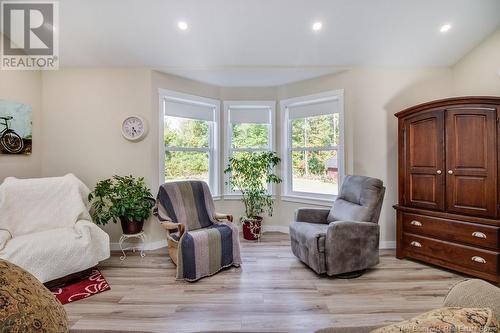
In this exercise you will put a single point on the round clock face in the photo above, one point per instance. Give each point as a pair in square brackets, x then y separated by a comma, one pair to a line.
[133, 128]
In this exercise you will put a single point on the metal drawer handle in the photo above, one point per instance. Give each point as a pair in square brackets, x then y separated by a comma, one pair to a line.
[416, 244]
[478, 259]
[416, 223]
[479, 234]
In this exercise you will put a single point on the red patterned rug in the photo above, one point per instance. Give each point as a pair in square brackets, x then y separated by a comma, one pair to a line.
[87, 286]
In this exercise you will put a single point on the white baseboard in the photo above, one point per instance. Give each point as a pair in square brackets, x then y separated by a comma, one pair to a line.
[267, 228]
[275, 228]
[163, 243]
[149, 246]
[270, 228]
[386, 245]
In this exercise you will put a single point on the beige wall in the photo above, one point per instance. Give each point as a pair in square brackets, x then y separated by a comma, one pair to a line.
[23, 87]
[78, 113]
[82, 113]
[372, 96]
[83, 109]
[478, 73]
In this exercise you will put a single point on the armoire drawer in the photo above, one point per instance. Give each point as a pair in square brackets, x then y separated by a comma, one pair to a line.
[465, 256]
[452, 230]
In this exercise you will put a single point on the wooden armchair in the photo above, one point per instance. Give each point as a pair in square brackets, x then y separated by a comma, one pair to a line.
[200, 241]
[179, 229]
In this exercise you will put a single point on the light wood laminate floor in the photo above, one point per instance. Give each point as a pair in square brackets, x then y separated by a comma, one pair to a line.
[271, 292]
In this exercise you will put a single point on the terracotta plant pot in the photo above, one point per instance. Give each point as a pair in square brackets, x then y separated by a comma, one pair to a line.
[252, 228]
[131, 227]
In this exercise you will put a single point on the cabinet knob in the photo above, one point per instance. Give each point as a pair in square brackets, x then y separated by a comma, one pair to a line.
[416, 223]
[478, 259]
[450, 172]
[415, 244]
[479, 234]
[439, 172]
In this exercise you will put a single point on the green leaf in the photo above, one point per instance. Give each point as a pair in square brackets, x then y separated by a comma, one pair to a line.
[120, 196]
[251, 173]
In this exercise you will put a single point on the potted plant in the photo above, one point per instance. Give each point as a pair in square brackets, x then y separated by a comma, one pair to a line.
[123, 198]
[251, 173]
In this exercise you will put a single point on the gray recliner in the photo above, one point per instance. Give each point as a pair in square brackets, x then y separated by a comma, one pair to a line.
[345, 238]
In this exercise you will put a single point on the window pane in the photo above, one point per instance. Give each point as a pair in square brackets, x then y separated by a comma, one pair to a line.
[250, 135]
[186, 165]
[315, 172]
[319, 131]
[187, 133]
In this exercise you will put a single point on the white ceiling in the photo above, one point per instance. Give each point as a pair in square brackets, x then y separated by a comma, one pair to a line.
[251, 76]
[270, 42]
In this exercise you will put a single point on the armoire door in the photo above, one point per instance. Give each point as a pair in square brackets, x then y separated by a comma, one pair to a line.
[424, 152]
[471, 161]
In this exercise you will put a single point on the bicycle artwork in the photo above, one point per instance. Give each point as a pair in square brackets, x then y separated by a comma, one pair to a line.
[15, 128]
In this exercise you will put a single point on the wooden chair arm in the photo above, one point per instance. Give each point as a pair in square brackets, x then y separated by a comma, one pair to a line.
[220, 216]
[182, 228]
[170, 226]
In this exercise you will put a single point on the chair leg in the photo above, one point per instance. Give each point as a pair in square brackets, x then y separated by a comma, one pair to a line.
[172, 252]
[173, 248]
[350, 275]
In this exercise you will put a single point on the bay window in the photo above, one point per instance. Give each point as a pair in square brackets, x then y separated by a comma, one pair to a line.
[249, 128]
[312, 152]
[189, 140]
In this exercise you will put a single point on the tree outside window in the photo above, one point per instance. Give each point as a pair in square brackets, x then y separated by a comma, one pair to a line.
[186, 149]
[315, 143]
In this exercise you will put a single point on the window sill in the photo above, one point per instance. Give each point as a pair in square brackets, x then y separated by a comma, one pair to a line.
[308, 200]
[217, 197]
[232, 196]
[238, 197]
[288, 198]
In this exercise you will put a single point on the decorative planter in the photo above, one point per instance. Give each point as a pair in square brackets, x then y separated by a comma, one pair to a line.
[131, 227]
[252, 228]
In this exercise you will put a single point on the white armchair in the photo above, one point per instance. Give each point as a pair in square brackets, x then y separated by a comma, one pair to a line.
[45, 227]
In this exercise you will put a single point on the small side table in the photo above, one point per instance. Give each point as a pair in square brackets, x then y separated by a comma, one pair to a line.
[141, 236]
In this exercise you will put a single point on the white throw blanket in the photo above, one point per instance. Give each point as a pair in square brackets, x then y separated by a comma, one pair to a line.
[45, 227]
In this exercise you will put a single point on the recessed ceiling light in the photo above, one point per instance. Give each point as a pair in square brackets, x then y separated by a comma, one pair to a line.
[317, 26]
[445, 27]
[182, 25]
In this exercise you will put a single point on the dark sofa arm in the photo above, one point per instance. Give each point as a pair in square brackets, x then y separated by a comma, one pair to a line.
[351, 246]
[312, 215]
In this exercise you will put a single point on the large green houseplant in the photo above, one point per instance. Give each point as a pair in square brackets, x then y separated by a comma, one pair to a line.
[122, 198]
[251, 173]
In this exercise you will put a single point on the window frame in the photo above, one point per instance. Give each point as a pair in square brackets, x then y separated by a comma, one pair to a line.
[214, 130]
[287, 193]
[228, 131]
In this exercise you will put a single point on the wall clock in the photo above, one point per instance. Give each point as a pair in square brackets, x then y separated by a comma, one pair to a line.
[134, 128]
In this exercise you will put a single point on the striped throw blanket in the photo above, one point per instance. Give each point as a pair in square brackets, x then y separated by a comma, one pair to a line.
[207, 245]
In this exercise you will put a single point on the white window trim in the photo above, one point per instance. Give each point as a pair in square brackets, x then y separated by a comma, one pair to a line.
[286, 172]
[228, 192]
[214, 171]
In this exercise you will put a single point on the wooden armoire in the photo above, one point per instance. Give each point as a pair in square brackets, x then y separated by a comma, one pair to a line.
[449, 201]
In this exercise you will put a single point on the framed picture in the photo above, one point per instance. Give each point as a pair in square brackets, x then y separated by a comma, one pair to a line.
[15, 128]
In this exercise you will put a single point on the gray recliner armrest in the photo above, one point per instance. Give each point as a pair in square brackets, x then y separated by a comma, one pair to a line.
[312, 215]
[351, 246]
